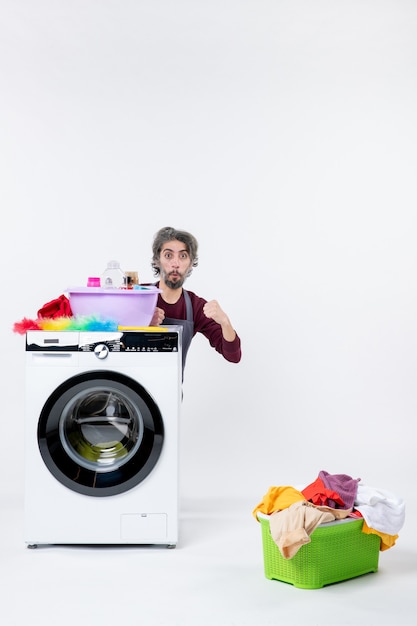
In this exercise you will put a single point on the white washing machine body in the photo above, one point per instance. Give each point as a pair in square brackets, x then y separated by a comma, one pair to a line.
[101, 437]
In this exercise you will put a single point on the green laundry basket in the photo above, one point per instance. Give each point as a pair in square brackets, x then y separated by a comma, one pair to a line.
[337, 551]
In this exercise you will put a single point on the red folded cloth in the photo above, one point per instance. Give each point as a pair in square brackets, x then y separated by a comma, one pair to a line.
[320, 495]
[60, 307]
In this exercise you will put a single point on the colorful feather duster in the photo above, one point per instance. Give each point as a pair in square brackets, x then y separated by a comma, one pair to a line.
[90, 323]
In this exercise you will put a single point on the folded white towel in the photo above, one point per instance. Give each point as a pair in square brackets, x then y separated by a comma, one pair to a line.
[383, 511]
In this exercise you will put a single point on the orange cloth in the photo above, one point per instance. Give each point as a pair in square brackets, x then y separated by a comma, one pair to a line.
[387, 541]
[277, 499]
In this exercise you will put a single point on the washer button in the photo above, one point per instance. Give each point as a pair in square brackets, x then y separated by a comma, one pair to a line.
[101, 351]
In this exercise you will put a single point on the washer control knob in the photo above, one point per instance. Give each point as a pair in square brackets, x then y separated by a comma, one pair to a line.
[101, 351]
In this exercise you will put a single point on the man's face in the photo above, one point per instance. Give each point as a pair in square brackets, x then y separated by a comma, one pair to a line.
[174, 263]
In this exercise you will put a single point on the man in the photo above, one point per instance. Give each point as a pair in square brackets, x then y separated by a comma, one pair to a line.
[175, 254]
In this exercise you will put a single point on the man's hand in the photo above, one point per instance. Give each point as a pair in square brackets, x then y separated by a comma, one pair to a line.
[214, 311]
[158, 317]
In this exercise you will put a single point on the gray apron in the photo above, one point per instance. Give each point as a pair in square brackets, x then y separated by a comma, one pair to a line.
[187, 327]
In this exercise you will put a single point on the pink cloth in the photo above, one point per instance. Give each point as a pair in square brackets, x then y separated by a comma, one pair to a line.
[344, 485]
[291, 528]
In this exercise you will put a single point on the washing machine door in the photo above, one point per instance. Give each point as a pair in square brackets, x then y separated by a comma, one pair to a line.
[100, 433]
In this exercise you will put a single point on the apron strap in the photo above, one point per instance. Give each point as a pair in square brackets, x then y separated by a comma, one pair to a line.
[188, 306]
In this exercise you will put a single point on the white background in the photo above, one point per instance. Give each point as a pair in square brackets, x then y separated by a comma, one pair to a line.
[282, 134]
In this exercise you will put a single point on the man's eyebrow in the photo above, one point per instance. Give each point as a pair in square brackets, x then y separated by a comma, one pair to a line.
[171, 250]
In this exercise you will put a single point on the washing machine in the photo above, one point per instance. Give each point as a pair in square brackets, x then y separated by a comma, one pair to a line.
[101, 437]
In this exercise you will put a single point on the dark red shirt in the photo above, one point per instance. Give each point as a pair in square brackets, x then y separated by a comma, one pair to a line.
[230, 350]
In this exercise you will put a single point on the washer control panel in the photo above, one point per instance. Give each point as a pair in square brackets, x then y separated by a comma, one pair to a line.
[102, 343]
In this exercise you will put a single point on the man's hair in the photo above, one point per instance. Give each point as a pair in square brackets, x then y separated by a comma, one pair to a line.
[170, 234]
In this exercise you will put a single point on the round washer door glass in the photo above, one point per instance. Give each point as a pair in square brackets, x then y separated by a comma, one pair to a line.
[100, 433]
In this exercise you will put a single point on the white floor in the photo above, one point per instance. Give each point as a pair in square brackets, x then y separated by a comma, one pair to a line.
[214, 576]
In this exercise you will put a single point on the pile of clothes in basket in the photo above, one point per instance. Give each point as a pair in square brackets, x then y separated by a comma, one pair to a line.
[294, 513]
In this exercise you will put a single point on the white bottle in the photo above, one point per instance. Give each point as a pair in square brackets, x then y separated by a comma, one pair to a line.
[113, 276]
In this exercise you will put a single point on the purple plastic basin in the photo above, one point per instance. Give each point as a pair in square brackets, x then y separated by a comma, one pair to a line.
[127, 307]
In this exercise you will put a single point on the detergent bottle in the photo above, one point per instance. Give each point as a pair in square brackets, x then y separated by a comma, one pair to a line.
[113, 276]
